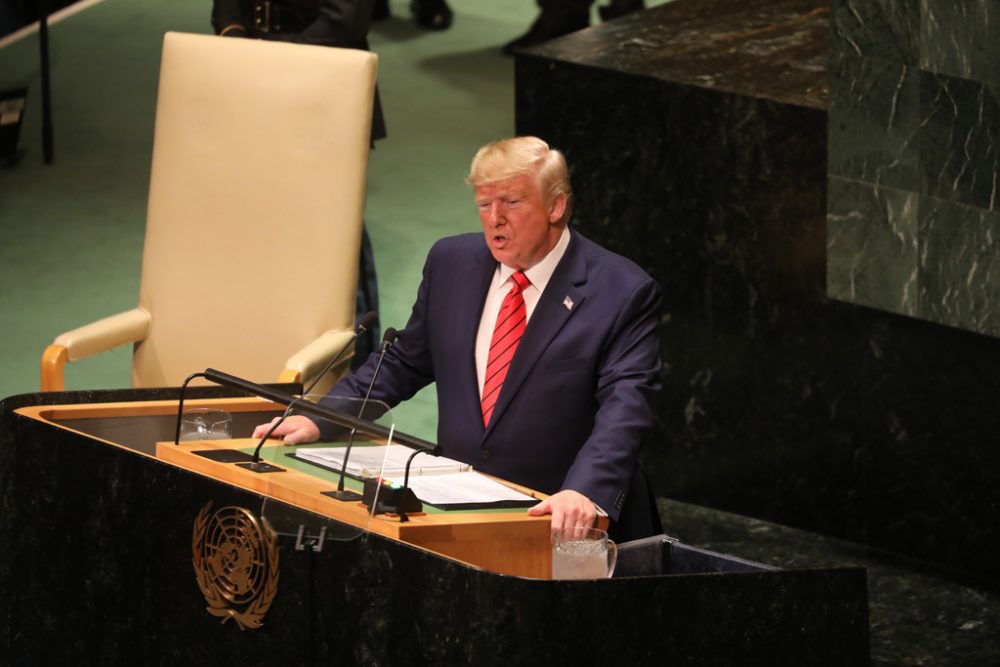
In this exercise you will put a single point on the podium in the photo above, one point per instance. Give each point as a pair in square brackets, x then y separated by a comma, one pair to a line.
[101, 536]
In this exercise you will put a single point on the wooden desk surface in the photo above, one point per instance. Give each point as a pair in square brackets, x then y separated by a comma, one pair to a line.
[506, 542]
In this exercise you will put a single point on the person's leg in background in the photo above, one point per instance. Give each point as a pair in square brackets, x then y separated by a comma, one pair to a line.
[429, 14]
[561, 17]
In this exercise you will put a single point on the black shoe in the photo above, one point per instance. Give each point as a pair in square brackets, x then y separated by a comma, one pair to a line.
[432, 14]
[619, 8]
[380, 10]
[545, 28]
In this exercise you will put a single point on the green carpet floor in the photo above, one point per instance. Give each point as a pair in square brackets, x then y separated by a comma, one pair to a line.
[71, 233]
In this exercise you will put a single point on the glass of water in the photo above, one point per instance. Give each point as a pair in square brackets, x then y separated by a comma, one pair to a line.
[206, 424]
[584, 554]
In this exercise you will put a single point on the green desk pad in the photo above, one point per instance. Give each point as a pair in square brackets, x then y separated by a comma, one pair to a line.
[276, 455]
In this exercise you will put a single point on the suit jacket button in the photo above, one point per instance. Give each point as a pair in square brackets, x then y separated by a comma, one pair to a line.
[486, 455]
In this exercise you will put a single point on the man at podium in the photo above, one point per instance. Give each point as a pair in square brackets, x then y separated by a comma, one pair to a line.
[543, 347]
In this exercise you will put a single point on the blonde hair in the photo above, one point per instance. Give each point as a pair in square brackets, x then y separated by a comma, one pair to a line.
[500, 160]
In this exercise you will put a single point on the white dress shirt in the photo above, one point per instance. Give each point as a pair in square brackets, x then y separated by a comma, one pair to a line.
[539, 275]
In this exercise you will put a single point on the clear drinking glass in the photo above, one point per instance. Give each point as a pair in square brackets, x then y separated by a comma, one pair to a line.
[206, 424]
[585, 554]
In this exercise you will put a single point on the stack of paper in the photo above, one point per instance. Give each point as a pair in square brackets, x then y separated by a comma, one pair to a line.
[387, 462]
[435, 480]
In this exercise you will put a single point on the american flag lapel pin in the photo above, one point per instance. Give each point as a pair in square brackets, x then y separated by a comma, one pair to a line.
[568, 302]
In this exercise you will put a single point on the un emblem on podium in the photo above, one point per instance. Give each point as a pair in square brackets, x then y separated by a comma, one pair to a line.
[235, 563]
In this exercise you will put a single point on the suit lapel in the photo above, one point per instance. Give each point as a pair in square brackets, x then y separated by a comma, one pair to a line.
[561, 298]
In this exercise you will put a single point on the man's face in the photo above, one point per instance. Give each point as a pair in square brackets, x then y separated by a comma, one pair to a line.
[520, 226]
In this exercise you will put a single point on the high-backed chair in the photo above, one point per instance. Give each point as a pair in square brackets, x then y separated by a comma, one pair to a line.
[253, 229]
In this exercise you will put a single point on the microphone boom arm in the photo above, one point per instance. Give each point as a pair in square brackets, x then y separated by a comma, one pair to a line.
[363, 426]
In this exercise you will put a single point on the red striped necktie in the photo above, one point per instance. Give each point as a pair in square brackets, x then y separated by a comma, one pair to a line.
[511, 321]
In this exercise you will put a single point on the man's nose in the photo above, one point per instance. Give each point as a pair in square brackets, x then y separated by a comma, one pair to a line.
[496, 214]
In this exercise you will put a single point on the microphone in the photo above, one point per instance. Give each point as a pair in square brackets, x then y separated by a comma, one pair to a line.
[367, 322]
[340, 494]
[320, 411]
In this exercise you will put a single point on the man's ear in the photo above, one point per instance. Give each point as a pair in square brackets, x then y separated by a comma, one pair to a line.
[557, 208]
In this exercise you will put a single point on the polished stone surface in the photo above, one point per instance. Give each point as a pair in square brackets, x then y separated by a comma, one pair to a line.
[884, 29]
[919, 616]
[914, 116]
[779, 48]
[873, 122]
[853, 419]
[960, 38]
[960, 246]
[873, 250]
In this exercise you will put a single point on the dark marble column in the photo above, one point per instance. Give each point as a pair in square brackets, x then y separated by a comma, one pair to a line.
[697, 137]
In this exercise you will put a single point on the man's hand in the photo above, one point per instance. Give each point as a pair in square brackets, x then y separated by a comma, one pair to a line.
[572, 512]
[296, 430]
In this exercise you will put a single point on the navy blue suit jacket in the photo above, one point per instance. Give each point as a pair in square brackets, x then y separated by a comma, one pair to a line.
[578, 396]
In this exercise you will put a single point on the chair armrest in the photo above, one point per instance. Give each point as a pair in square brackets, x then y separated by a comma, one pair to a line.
[53, 360]
[305, 364]
[100, 336]
[288, 376]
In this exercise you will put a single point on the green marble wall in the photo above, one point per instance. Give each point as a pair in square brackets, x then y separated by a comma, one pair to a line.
[913, 223]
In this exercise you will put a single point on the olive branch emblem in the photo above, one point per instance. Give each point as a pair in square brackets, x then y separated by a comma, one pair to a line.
[235, 564]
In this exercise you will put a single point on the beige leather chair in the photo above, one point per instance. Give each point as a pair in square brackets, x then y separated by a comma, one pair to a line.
[253, 228]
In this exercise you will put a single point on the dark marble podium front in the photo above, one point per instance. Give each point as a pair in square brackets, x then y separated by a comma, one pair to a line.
[96, 566]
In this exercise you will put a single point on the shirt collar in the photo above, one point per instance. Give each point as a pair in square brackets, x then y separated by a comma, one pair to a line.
[540, 273]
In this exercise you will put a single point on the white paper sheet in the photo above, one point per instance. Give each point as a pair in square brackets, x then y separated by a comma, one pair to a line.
[460, 488]
[367, 461]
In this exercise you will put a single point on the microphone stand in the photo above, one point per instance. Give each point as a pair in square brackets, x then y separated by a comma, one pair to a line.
[365, 427]
[392, 498]
[341, 494]
[180, 405]
[404, 497]
[401, 499]
[218, 455]
[368, 320]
